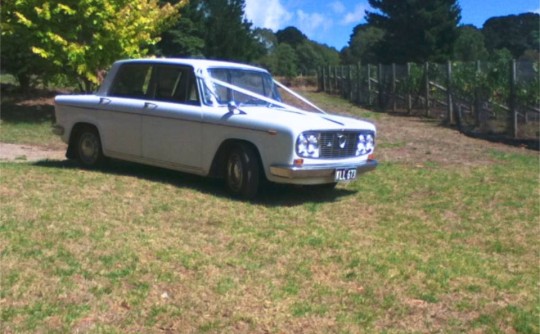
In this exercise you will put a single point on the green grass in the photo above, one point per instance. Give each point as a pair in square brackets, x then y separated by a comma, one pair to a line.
[27, 120]
[456, 250]
[140, 249]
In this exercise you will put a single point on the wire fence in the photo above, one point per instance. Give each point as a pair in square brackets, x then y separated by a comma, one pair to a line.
[484, 98]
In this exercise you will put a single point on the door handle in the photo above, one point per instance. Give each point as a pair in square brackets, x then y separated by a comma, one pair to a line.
[149, 105]
[104, 100]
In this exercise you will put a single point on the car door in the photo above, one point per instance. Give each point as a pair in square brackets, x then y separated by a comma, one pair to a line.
[122, 109]
[172, 120]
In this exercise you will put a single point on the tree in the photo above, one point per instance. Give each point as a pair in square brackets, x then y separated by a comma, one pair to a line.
[267, 38]
[308, 58]
[291, 36]
[415, 30]
[362, 44]
[286, 61]
[186, 37]
[517, 33]
[215, 29]
[470, 44]
[79, 38]
[227, 35]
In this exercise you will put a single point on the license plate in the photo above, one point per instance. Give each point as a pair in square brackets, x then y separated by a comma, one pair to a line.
[345, 174]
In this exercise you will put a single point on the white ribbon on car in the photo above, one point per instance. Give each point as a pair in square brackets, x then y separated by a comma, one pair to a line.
[265, 98]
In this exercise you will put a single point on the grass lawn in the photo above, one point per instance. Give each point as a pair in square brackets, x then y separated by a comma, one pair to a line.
[422, 244]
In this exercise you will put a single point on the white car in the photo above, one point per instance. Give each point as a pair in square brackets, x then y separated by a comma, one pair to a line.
[212, 118]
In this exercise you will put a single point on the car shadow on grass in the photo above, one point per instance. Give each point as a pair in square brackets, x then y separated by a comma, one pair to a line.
[270, 194]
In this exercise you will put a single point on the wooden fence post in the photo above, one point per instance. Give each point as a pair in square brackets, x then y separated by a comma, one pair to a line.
[394, 99]
[329, 84]
[477, 102]
[358, 82]
[335, 88]
[449, 99]
[409, 96]
[350, 84]
[323, 70]
[426, 76]
[513, 116]
[380, 86]
[369, 84]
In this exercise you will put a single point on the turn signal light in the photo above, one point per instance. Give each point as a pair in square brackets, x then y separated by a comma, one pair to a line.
[298, 162]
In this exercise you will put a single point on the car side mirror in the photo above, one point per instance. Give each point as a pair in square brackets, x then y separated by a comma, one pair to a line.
[233, 108]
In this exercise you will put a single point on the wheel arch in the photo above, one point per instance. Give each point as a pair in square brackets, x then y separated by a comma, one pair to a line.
[218, 163]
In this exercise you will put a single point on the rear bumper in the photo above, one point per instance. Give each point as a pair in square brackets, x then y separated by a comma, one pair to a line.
[317, 173]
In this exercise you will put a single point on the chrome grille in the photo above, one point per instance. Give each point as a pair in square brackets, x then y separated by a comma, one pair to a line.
[343, 144]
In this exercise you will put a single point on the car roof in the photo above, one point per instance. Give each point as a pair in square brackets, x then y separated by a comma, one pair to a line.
[195, 63]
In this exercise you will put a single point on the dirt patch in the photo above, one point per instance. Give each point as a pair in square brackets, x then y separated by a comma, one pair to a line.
[23, 153]
[422, 141]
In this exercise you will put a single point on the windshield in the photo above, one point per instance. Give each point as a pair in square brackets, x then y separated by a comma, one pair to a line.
[255, 81]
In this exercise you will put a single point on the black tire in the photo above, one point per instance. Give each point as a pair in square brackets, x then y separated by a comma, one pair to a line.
[88, 149]
[242, 171]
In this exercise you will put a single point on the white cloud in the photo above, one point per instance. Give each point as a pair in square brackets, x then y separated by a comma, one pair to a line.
[311, 23]
[267, 13]
[355, 16]
[536, 11]
[338, 7]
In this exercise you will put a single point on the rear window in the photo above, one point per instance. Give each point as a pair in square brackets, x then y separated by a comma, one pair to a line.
[132, 80]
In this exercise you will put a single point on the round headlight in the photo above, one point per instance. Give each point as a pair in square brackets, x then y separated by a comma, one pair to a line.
[302, 145]
[370, 143]
[307, 145]
[361, 146]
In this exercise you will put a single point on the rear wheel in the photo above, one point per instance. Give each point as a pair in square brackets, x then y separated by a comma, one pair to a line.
[89, 151]
[242, 171]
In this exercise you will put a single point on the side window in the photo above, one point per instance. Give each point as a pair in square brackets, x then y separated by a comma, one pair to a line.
[176, 84]
[132, 80]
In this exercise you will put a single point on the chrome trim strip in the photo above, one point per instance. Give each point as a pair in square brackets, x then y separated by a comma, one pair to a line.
[146, 114]
[317, 171]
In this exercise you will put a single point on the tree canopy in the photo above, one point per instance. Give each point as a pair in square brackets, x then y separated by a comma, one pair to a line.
[470, 45]
[78, 38]
[362, 44]
[517, 33]
[415, 31]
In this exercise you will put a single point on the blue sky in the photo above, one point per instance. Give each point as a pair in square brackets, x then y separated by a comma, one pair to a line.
[332, 21]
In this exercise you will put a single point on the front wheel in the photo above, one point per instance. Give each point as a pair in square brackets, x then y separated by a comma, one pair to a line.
[89, 152]
[242, 173]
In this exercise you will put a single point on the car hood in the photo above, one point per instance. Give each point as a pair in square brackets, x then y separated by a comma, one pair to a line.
[299, 121]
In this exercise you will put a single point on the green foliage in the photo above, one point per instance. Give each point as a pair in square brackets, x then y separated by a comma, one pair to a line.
[470, 44]
[286, 61]
[362, 45]
[79, 39]
[291, 36]
[214, 29]
[186, 37]
[266, 38]
[289, 53]
[517, 33]
[415, 31]
[228, 34]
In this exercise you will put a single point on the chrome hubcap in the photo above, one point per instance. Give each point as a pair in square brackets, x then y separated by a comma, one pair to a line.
[88, 148]
[235, 173]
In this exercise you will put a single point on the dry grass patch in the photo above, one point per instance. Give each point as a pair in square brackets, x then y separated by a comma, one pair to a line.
[419, 245]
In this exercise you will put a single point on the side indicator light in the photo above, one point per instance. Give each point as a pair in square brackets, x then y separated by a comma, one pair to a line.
[298, 162]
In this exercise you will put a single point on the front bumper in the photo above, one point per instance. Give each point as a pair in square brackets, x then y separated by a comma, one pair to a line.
[317, 174]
